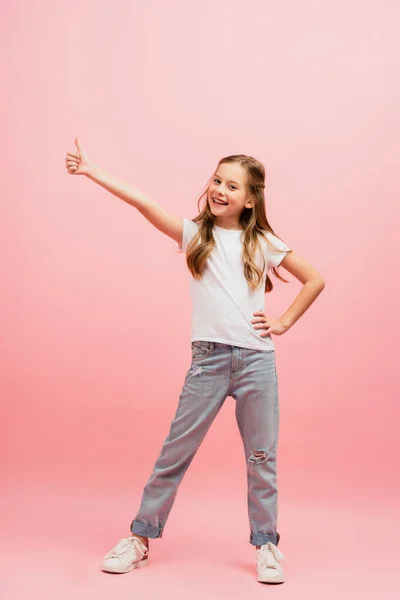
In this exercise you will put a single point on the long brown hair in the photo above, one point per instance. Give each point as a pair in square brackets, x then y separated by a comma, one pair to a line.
[254, 223]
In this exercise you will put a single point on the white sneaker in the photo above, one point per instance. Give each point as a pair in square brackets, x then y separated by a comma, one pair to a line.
[268, 568]
[128, 554]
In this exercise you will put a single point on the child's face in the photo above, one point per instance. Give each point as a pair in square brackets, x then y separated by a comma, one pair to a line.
[228, 185]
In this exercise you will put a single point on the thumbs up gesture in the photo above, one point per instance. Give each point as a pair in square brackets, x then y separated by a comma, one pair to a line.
[78, 162]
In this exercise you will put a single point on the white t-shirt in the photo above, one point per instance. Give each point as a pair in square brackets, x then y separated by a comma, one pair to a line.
[222, 301]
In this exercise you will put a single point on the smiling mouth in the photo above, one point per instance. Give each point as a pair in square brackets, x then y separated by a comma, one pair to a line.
[219, 202]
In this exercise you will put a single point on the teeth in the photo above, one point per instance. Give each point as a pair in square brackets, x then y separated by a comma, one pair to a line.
[219, 202]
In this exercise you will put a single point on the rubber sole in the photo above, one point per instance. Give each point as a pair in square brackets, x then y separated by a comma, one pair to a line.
[135, 565]
[273, 581]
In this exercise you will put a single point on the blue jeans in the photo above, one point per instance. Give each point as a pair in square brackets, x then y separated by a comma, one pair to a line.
[217, 371]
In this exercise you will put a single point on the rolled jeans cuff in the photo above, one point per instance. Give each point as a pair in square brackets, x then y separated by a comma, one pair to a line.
[259, 539]
[146, 530]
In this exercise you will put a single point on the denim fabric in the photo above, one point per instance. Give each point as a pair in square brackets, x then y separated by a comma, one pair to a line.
[217, 371]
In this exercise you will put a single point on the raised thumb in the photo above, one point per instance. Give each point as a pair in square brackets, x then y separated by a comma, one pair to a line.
[78, 144]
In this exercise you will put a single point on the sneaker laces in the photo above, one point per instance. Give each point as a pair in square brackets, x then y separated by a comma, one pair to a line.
[126, 545]
[268, 556]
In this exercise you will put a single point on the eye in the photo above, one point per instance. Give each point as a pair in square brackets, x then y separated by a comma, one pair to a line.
[217, 181]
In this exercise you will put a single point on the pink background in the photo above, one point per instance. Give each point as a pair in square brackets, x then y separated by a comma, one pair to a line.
[95, 318]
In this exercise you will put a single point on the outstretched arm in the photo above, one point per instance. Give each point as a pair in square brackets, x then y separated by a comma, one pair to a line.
[78, 163]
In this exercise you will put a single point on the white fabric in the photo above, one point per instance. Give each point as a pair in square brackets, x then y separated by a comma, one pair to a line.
[222, 301]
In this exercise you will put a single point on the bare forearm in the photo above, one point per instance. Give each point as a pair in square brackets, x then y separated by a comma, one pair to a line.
[169, 224]
[309, 292]
[123, 190]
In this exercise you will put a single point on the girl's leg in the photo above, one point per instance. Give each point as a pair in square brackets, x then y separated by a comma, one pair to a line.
[203, 394]
[255, 389]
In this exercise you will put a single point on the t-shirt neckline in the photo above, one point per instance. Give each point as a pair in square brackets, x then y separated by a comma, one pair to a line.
[223, 228]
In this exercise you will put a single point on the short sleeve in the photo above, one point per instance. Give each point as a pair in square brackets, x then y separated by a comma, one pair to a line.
[274, 257]
[189, 231]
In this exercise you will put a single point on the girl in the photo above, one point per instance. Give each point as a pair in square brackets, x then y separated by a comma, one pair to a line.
[230, 247]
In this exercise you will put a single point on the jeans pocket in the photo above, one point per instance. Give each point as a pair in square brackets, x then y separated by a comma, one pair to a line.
[201, 349]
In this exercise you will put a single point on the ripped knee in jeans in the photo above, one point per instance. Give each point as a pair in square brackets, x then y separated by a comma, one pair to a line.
[258, 456]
